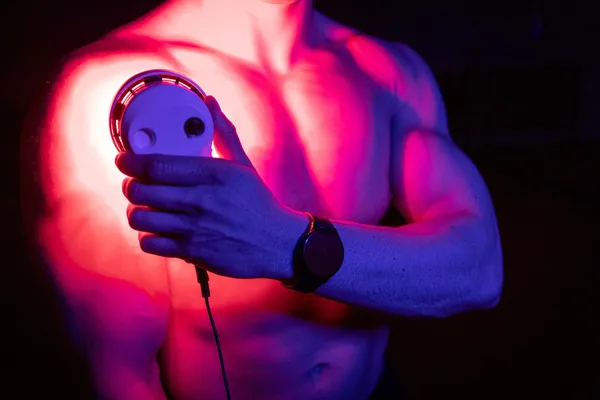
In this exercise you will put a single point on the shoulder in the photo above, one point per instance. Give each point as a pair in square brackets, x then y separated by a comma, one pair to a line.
[402, 72]
[69, 127]
[392, 64]
[96, 72]
[108, 62]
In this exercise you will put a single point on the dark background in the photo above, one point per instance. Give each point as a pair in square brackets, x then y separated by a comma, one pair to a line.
[521, 81]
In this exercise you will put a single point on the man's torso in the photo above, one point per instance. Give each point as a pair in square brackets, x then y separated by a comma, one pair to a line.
[320, 138]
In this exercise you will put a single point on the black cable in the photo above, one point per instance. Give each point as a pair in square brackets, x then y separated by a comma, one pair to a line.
[202, 277]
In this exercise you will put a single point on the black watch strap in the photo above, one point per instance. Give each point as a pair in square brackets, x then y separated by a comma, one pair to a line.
[304, 280]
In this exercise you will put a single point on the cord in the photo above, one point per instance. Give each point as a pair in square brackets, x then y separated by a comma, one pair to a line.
[202, 277]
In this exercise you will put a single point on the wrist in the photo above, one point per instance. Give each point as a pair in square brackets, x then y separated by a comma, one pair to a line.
[291, 227]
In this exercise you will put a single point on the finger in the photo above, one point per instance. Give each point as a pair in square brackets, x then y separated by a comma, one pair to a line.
[226, 140]
[173, 170]
[145, 220]
[160, 245]
[162, 197]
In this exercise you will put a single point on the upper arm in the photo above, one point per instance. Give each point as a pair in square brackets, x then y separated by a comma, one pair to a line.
[112, 292]
[430, 175]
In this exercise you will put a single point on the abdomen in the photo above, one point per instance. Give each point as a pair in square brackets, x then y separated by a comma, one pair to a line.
[277, 344]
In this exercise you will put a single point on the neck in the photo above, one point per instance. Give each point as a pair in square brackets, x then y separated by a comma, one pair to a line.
[271, 34]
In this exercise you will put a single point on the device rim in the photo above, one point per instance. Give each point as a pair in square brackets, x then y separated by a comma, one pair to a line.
[136, 85]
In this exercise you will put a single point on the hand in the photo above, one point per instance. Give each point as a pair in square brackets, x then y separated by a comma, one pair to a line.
[213, 212]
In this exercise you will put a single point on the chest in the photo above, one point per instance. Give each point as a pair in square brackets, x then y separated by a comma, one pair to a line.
[319, 137]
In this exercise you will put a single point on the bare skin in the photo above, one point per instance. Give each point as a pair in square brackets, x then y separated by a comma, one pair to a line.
[316, 88]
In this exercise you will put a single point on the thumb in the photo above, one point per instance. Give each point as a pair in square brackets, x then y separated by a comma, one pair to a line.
[226, 140]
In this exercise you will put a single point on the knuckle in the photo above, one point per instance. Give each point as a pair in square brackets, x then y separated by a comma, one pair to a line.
[229, 128]
[226, 170]
[156, 168]
[189, 200]
[240, 176]
[196, 170]
[225, 126]
[186, 247]
[210, 202]
[186, 224]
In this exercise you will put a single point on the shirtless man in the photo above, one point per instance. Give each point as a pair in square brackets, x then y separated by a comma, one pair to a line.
[325, 120]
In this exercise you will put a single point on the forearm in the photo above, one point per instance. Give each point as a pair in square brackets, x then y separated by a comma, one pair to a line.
[433, 268]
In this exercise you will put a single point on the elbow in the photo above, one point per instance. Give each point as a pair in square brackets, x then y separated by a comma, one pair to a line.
[480, 298]
[488, 299]
[473, 296]
[485, 279]
[486, 286]
[481, 291]
[474, 282]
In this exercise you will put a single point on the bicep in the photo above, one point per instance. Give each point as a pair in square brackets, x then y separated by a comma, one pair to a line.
[431, 176]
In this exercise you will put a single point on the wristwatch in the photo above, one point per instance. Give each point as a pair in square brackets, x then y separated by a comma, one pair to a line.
[317, 257]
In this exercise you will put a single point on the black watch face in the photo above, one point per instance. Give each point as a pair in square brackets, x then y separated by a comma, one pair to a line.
[323, 253]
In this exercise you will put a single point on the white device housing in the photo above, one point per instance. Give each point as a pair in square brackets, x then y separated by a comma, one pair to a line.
[161, 112]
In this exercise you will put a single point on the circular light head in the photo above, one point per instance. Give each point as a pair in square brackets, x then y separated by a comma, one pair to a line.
[161, 112]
